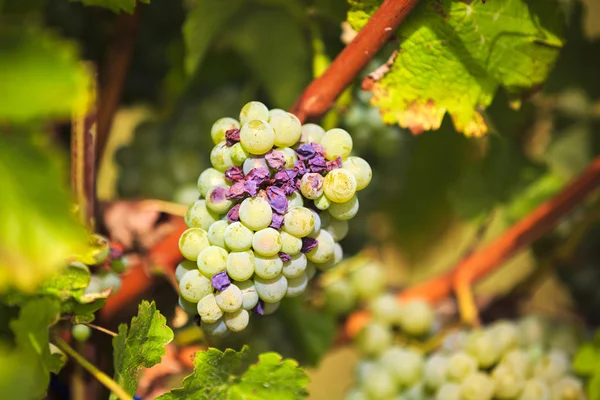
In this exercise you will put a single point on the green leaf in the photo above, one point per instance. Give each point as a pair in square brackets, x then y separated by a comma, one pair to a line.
[38, 231]
[221, 375]
[454, 55]
[115, 5]
[202, 24]
[41, 75]
[593, 387]
[142, 345]
[586, 360]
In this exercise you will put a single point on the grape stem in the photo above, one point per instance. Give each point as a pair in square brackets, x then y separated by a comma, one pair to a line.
[95, 372]
[103, 330]
[320, 95]
[484, 261]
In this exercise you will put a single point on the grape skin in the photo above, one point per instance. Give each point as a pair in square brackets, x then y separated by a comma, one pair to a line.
[256, 213]
[193, 286]
[209, 310]
[212, 260]
[81, 332]
[238, 237]
[271, 290]
[222, 125]
[192, 242]
[240, 265]
[199, 216]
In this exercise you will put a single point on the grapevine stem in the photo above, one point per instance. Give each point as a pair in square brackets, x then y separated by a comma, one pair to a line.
[95, 372]
[101, 329]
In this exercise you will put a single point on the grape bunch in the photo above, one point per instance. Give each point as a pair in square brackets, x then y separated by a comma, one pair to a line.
[271, 212]
[525, 360]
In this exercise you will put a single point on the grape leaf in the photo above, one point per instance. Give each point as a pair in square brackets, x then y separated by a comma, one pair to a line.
[141, 345]
[115, 5]
[37, 68]
[454, 55]
[222, 375]
[586, 359]
[38, 232]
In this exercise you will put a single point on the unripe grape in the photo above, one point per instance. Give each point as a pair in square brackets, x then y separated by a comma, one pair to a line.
[257, 137]
[184, 267]
[312, 133]
[189, 307]
[337, 143]
[81, 333]
[373, 339]
[298, 221]
[295, 267]
[266, 242]
[386, 309]
[216, 329]
[193, 286]
[344, 211]
[216, 233]
[256, 213]
[208, 179]
[267, 267]
[220, 157]
[507, 382]
[240, 265]
[290, 244]
[295, 200]
[338, 229]
[448, 391]
[322, 203]
[271, 290]
[339, 185]
[249, 294]
[297, 285]
[535, 389]
[212, 260]
[208, 309]
[435, 371]
[253, 110]
[379, 384]
[405, 366]
[287, 128]
[192, 242]
[238, 154]
[483, 347]
[368, 281]
[340, 297]
[237, 321]
[221, 126]
[360, 169]
[237, 237]
[230, 299]
[477, 386]
[198, 215]
[324, 250]
[460, 365]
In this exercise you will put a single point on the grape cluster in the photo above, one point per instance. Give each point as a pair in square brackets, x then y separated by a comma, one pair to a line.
[271, 212]
[525, 360]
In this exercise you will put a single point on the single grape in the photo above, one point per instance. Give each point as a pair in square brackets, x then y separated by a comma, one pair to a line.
[344, 211]
[435, 371]
[482, 346]
[311, 185]
[379, 384]
[339, 186]
[215, 329]
[340, 297]
[551, 366]
[360, 169]
[338, 255]
[289, 155]
[253, 110]
[253, 162]
[518, 361]
[271, 290]
[312, 133]
[290, 244]
[230, 299]
[208, 309]
[216, 233]
[506, 335]
[257, 137]
[535, 389]
[189, 307]
[192, 242]
[317, 227]
[417, 317]
[238, 154]
[193, 286]
[477, 386]
[415, 392]
[337, 143]
[267, 267]
[322, 202]
[508, 383]
[270, 308]
[295, 267]
[110, 280]
[404, 365]
[455, 341]
[81, 333]
[186, 194]
[249, 294]
[212, 260]
[311, 270]
[532, 330]
[324, 251]
[237, 237]
[297, 285]
[373, 339]
[216, 200]
[220, 157]
[184, 267]
[256, 213]
[217, 132]
[338, 229]
[368, 281]
[266, 242]
[287, 127]
[210, 178]
[386, 309]
[298, 221]
[295, 200]
[448, 391]
[198, 215]
[238, 320]
[240, 265]
[94, 286]
[460, 365]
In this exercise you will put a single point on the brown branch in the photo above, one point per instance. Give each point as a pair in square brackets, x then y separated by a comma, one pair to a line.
[118, 58]
[322, 92]
[480, 263]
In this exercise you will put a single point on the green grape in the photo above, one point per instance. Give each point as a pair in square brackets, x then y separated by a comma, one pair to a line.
[455, 341]
[270, 308]
[386, 309]
[535, 389]
[256, 213]
[237, 237]
[217, 132]
[208, 179]
[379, 384]
[324, 251]
[373, 339]
[482, 346]
[311, 185]
[287, 127]
[193, 286]
[298, 221]
[505, 334]
[220, 157]
[290, 244]
[94, 286]
[216, 200]
[363, 367]
[532, 330]
[297, 285]
[295, 200]
[267, 267]
[192, 242]
[311, 270]
[360, 169]
[253, 162]
[518, 361]
[110, 280]
[209, 310]
[216, 233]
[212, 260]
[189, 307]
[289, 155]
[230, 299]
[312, 133]
[322, 203]
[508, 383]
[434, 372]
[81, 333]
[295, 267]
[477, 386]
[417, 318]
[253, 110]
[184, 267]
[266, 242]
[257, 137]
[368, 281]
[339, 185]
[344, 211]
[405, 366]
[338, 255]
[337, 143]
[551, 366]
[460, 365]
[238, 154]
[186, 194]
[237, 321]
[274, 112]
[271, 290]
[317, 224]
[240, 265]
[340, 297]
[249, 294]
[215, 329]
[198, 216]
[448, 391]
[338, 229]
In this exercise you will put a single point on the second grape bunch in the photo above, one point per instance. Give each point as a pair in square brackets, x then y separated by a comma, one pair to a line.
[270, 214]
